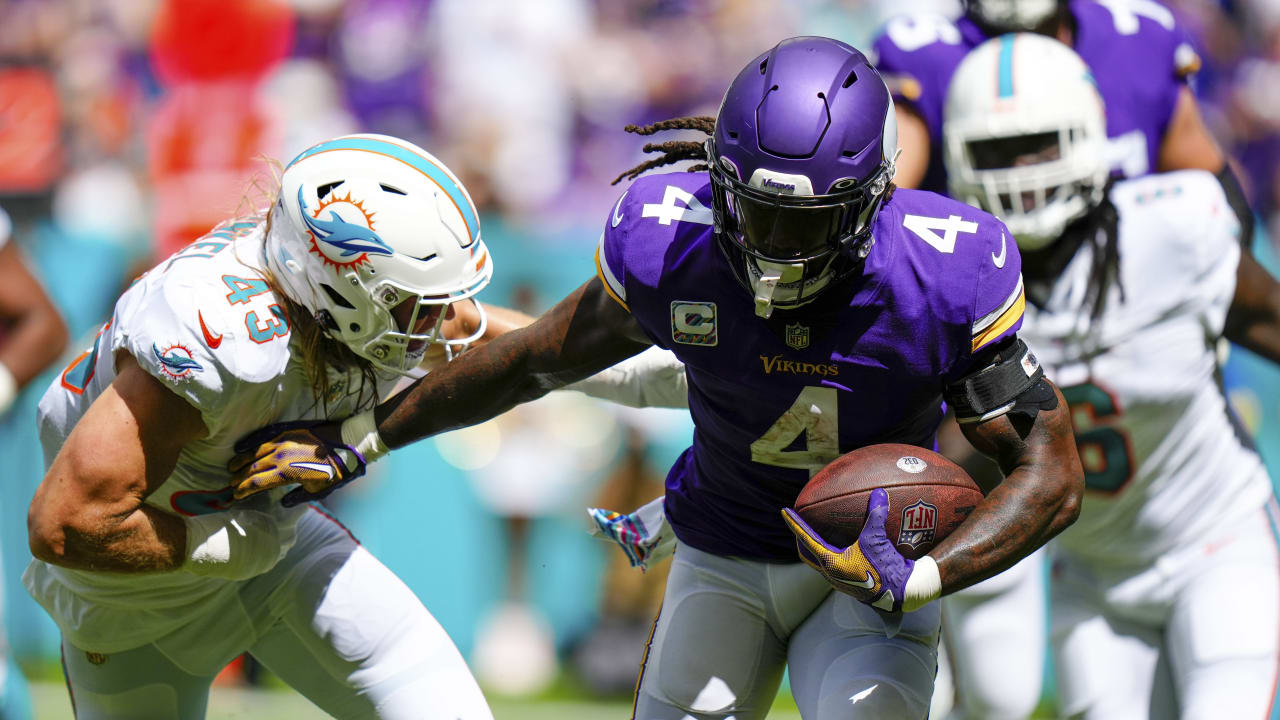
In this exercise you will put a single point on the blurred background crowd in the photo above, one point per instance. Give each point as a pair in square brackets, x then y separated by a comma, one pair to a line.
[129, 127]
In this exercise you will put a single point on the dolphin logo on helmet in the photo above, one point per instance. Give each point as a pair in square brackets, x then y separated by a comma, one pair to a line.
[350, 238]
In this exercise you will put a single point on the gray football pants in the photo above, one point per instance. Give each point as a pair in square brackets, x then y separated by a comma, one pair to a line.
[728, 627]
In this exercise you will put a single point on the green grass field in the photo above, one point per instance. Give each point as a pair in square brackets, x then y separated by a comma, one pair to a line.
[50, 700]
[275, 701]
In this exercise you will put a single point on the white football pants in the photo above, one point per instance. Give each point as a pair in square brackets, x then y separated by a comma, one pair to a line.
[1196, 635]
[329, 619]
[994, 634]
[729, 626]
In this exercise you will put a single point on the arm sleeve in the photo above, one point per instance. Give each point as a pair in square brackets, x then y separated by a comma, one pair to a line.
[654, 378]
[999, 297]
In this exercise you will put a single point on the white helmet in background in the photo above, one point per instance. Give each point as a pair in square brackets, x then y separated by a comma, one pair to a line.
[374, 237]
[1025, 135]
[1011, 15]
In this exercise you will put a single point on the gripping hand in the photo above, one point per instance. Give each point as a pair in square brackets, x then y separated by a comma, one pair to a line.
[871, 570]
[306, 453]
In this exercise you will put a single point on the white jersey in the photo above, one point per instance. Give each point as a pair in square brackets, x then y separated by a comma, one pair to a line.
[1164, 465]
[204, 324]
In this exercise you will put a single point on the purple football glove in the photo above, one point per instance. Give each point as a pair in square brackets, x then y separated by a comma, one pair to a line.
[871, 570]
[303, 452]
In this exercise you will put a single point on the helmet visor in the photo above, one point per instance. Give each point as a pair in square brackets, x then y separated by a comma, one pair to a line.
[786, 233]
[787, 228]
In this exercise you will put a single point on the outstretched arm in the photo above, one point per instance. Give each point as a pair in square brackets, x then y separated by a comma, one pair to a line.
[585, 333]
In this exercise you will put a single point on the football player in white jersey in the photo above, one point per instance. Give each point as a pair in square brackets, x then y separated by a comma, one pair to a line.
[1165, 594]
[155, 574]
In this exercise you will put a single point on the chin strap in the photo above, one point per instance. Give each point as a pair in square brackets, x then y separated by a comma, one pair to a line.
[771, 275]
[766, 286]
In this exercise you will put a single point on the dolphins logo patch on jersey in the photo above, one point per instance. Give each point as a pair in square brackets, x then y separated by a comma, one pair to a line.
[176, 361]
[345, 237]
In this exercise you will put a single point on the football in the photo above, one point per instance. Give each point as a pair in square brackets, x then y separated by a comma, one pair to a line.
[929, 496]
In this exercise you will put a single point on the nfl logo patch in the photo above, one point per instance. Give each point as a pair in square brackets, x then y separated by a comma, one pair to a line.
[919, 523]
[797, 336]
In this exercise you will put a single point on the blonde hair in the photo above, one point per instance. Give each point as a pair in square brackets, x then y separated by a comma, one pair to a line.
[318, 350]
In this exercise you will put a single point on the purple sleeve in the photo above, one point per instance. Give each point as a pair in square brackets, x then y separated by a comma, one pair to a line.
[629, 260]
[1141, 59]
[999, 297]
[916, 55]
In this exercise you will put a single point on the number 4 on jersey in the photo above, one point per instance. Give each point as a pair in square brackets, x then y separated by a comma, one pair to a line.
[815, 413]
[927, 229]
[688, 209]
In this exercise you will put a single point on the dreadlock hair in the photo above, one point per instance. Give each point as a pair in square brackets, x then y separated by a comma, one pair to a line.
[1100, 229]
[673, 151]
[1103, 228]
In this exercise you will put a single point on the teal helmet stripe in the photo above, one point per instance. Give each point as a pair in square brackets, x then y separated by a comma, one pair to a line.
[1005, 67]
[413, 160]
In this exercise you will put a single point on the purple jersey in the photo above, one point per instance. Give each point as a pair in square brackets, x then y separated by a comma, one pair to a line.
[775, 400]
[1139, 58]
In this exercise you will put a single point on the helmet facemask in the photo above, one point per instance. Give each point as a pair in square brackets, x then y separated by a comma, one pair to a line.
[1036, 183]
[787, 248]
[1025, 136]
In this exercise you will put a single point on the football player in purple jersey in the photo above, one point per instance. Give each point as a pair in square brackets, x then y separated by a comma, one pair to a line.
[1141, 62]
[1140, 58]
[816, 309]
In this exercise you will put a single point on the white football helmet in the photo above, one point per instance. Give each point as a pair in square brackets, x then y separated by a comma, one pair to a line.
[1011, 15]
[1025, 135]
[374, 237]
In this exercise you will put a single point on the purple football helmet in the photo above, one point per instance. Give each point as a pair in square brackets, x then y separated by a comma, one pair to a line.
[803, 150]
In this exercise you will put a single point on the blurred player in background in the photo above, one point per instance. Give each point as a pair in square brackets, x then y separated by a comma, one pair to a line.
[313, 308]
[32, 336]
[1166, 591]
[1141, 59]
[1142, 62]
[816, 310]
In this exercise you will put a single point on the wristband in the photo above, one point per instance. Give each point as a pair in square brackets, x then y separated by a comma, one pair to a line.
[923, 586]
[8, 388]
[360, 431]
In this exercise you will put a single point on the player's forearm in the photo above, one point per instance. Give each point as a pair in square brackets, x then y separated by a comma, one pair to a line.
[568, 343]
[1039, 498]
[144, 540]
[36, 339]
[1021, 514]
[490, 380]
[1253, 321]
